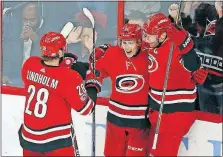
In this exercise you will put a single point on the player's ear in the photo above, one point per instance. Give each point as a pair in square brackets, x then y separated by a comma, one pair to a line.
[138, 43]
[162, 37]
[61, 53]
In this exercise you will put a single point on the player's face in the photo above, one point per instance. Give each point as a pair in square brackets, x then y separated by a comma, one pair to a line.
[130, 47]
[152, 40]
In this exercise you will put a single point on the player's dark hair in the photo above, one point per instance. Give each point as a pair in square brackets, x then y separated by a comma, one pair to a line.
[47, 58]
[126, 20]
[205, 11]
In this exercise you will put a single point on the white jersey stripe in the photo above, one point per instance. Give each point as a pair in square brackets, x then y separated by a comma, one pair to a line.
[91, 110]
[48, 130]
[174, 101]
[47, 140]
[86, 107]
[174, 92]
[127, 116]
[128, 108]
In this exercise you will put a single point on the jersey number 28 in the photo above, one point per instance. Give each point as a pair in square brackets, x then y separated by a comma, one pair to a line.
[42, 96]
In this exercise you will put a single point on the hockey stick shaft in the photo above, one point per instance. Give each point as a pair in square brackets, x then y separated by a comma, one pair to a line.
[93, 115]
[163, 97]
[179, 20]
[76, 146]
[91, 18]
[74, 140]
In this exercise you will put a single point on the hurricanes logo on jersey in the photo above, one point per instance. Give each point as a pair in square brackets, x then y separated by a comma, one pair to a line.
[129, 83]
[153, 64]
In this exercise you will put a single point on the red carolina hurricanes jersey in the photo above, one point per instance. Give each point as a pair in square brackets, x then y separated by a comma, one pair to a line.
[181, 90]
[128, 100]
[51, 93]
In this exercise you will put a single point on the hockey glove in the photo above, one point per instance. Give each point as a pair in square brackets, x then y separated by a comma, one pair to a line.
[200, 76]
[68, 60]
[93, 80]
[99, 52]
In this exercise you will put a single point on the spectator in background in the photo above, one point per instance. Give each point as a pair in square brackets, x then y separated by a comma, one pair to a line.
[219, 8]
[83, 34]
[80, 40]
[32, 22]
[94, 5]
[23, 43]
[137, 12]
[136, 17]
[209, 45]
[147, 8]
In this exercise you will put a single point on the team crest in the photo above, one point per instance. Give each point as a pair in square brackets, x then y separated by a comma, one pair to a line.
[153, 64]
[129, 83]
[210, 28]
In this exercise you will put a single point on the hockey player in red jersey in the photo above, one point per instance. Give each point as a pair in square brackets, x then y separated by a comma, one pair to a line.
[177, 33]
[52, 91]
[127, 125]
[180, 96]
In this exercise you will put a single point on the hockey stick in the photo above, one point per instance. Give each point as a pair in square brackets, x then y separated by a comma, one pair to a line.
[91, 18]
[179, 20]
[74, 140]
[163, 96]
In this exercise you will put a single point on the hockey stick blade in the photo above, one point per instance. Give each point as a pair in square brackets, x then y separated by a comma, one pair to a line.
[67, 29]
[89, 15]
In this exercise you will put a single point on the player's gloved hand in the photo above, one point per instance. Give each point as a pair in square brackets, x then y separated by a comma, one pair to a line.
[68, 60]
[99, 52]
[93, 80]
[200, 76]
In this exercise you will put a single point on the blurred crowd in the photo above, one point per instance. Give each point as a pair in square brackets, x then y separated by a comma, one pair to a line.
[25, 22]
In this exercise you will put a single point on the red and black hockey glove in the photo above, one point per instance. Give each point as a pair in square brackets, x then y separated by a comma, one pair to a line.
[99, 52]
[200, 76]
[93, 80]
[68, 60]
